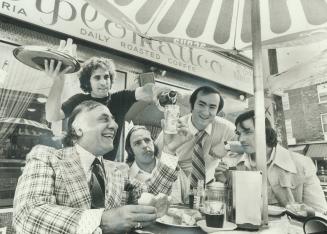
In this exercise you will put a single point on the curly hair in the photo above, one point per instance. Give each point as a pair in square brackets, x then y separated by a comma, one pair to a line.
[71, 137]
[90, 65]
[130, 154]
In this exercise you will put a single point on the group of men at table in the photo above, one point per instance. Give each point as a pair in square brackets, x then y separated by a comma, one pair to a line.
[58, 191]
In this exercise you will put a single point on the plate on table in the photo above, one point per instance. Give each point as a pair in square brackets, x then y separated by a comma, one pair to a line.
[34, 56]
[276, 210]
[228, 226]
[180, 217]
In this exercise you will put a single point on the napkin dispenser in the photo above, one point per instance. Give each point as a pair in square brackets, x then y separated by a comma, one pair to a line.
[244, 199]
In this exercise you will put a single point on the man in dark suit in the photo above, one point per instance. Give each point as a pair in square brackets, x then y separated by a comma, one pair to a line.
[53, 195]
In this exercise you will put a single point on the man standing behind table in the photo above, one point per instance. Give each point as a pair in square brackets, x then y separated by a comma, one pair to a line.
[291, 176]
[72, 190]
[96, 78]
[206, 102]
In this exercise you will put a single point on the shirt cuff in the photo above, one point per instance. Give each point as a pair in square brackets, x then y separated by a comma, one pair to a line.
[169, 160]
[90, 222]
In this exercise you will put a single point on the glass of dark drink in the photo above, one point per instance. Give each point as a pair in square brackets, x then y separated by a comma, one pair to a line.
[215, 220]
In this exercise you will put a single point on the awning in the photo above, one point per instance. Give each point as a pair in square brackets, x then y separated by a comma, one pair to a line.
[317, 150]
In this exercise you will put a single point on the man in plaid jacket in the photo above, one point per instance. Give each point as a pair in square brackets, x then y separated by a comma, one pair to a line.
[53, 195]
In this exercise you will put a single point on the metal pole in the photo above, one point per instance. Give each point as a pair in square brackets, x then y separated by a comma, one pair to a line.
[260, 135]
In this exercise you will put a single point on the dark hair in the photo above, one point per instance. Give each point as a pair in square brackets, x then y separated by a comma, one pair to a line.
[271, 135]
[130, 154]
[89, 66]
[206, 90]
[71, 136]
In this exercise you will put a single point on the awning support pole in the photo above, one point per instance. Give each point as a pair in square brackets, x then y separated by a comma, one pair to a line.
[260, 134]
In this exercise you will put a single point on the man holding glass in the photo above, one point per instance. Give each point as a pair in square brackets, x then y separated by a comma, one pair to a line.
[208, 134]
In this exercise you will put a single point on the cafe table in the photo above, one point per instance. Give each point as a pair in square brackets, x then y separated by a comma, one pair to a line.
[277, 225]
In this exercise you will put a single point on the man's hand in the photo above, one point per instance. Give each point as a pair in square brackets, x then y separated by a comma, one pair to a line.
[68, 47]
[146, 93]
[173, 141]
[53, 71]
[220, 172]
[127, 217]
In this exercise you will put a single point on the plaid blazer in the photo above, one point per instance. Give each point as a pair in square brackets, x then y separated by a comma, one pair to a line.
[52, 192]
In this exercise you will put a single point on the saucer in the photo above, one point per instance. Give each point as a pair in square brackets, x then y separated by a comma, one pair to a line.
[228, 226]
[34, 57]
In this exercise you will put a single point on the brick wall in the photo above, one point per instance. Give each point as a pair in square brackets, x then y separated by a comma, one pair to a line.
[305, 113]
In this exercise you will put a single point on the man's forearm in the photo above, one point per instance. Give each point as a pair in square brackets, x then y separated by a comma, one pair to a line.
[53, 106]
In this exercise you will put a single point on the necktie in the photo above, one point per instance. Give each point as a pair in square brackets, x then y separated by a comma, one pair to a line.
[198, 164]
[97, 186]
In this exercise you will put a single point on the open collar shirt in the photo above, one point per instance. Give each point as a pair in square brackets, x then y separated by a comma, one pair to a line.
[138, 173]
[275, 160]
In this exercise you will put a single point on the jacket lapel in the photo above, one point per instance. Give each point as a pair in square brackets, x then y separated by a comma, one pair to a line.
[75, 179]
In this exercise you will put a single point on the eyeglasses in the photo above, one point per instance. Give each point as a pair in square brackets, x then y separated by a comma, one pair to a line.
[315, 225]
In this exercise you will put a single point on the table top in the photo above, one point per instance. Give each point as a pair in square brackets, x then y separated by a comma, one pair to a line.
[276, 225]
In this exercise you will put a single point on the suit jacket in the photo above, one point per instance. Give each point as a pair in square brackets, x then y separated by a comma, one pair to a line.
[293, 178]
[52, 192]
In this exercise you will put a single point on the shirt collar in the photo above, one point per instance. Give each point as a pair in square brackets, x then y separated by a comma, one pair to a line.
[194, 130]
[283, 159]
[280, 157]
[135, 170]
[86, 158]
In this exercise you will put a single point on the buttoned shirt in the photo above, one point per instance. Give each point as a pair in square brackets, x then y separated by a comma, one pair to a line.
[291, 178]
[90, 219]
[251, 165]
[138, 173]
[194, 130]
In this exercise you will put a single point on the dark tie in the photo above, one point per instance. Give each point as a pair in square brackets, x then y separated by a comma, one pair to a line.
[97, 186]
[198, 164]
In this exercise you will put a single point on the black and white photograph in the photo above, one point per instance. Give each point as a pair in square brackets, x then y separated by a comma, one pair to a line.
[163, 116]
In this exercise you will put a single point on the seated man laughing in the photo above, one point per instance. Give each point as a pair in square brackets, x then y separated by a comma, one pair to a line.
[72, 190]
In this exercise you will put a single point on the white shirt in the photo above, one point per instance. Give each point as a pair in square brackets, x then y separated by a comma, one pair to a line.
[194, 130]
[138, 173]
[90, 219]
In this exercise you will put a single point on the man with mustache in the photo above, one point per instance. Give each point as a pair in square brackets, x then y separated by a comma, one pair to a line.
[73, 190]
[142, 153]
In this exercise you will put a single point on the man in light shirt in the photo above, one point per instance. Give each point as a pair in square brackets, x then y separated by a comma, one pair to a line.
[206, 102]
[142, 153]
[292, 178]
[53, 193]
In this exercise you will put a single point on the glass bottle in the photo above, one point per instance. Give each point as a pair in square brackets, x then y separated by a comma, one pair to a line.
[166, 98]
[199, 195]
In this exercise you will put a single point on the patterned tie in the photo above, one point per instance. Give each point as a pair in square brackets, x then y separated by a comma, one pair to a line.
[198, 164]
[97, 187]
